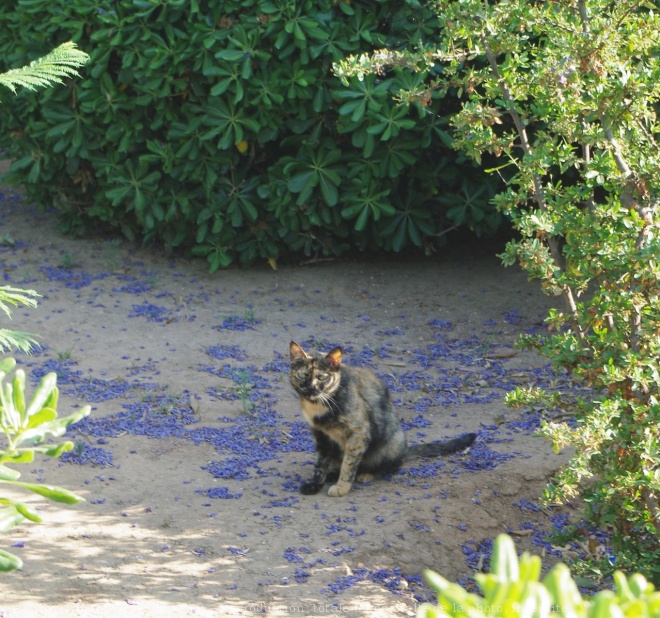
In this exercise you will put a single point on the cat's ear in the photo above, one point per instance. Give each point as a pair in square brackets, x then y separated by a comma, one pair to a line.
[334, 356]
[296, 351]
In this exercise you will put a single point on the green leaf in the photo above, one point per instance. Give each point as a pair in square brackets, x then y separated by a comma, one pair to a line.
[9, 562]
[7, 474]
[231, 55]
[220, 87]
[362, 220]
[301, 181]
[250, 210]
[27, 512]
[358, 112]
[18, 393]
[329, 190]
[54, 428]
[44, 390]
[504, 560]
[9, 518]
[44, 415]
[52, 492]
[399, 236]
[54, 450]
[9, 417]
[26, 456]
[6, 364]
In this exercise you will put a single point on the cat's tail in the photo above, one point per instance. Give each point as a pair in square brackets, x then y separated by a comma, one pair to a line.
[435, 449]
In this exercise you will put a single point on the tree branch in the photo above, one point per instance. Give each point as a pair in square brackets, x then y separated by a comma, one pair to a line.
[539, 193]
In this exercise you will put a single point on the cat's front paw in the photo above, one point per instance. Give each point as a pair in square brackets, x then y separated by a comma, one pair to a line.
[340, 489]
[310, 488]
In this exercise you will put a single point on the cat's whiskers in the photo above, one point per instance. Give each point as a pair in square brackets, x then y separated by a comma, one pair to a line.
[327, 400]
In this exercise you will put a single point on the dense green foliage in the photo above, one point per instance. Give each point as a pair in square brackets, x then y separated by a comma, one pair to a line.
[565, 95]
[219, 126]
[512, 589]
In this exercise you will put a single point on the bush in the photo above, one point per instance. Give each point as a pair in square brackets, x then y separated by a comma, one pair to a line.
[566, 95]
[218, 126]
[513, 589]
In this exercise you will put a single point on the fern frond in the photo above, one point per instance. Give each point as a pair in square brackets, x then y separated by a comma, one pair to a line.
[17, 340]
[15, 297]
[51, 68]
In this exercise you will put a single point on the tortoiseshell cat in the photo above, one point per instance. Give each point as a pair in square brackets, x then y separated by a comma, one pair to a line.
[357, 432]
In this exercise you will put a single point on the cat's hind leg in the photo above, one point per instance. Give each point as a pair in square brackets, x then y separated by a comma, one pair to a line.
[385, 459]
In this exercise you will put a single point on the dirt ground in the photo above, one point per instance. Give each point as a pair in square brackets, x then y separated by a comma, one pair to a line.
[191, 458]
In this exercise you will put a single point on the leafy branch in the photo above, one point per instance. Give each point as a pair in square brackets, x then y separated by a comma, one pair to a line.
[567, 95]
[513, 588]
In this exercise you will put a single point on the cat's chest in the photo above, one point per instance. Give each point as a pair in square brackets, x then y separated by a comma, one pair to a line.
[313, 412]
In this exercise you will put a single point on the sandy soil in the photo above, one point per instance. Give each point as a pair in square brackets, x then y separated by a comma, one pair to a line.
[192, 456]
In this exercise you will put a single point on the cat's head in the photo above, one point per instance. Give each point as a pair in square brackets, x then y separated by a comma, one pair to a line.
[314, 376]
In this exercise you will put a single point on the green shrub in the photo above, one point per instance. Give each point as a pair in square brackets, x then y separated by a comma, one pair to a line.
[218, 126]
[566, 95]
[512, 589]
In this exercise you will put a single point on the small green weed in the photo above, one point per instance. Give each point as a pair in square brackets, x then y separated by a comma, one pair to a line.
[66, 355]
[67, 261]
[242, 378]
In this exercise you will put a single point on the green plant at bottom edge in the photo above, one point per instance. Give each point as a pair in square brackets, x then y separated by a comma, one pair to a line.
[24, 426]
[513, 589]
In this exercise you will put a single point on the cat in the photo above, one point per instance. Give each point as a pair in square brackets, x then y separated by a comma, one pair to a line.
[357, 432]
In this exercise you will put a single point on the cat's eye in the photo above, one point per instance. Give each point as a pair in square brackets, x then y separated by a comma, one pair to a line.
[322, 377]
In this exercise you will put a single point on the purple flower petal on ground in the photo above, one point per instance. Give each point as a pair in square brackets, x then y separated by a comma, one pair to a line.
[70, 277]
[238, 323]
[292, 555]
[134, 287]
[88, 455]
[222, 493]
[477, 554]
[440, 324]
[221, 352]
[152, 312]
